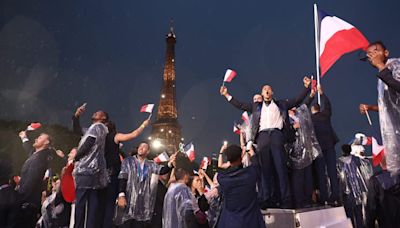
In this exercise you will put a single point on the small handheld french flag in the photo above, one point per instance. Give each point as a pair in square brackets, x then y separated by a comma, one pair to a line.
[236, 128]
[163, 157]
[229, 75]
[147, 108]
[245, 117]
[189, 151]
[205, 162]
[33, 126]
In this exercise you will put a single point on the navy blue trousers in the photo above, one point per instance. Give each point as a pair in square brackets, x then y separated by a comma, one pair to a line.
[353, 211]
[327, 165]
[273, 167]
[86, 207]
[107, 198]
[302, 186]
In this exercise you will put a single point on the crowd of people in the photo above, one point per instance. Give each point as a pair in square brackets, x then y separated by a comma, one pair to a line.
[286, 159]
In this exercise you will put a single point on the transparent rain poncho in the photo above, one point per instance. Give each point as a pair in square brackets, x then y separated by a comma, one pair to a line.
[93, 163]
[179, 203]
[389, 118]
[141, 189]
[247, 129]
[306, 147]
[353, 178]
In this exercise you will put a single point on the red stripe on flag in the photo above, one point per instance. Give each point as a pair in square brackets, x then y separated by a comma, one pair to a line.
[229, 75]
[376, 159]
[339, 44]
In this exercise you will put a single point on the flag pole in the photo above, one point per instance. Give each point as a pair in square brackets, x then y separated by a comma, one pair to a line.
[367, 114]
[369, 119]
[316, 32]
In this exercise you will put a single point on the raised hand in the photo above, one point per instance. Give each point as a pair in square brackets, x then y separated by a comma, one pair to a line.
[306, 81]
[80, 110]
[377, 58]
[172, 160]
[223, 147]
[223, 91]
[60, 153]
[146, 123]
[319, 89]
[122, 201]
[363, 108]
[22, 135]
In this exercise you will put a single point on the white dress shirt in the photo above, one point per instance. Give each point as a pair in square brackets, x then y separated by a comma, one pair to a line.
[270, 117]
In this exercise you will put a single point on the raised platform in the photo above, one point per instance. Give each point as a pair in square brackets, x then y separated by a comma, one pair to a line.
[321, 217]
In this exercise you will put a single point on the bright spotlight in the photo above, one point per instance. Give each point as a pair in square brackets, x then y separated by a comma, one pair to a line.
[156, 144]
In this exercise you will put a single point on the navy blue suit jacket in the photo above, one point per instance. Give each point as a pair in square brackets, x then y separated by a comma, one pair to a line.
[326, 136]
[240, 206]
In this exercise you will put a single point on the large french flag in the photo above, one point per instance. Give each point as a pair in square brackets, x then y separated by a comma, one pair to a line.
[336, 38]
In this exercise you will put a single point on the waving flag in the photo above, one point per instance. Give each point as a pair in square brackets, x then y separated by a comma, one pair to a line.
[361, 139]
[33, 126]
[205, 162]
[147, 108]
[236, 128]
[189, 151]
[336, 38]
[163, 157]
[229, 75]
[245, 117]
[377, 152]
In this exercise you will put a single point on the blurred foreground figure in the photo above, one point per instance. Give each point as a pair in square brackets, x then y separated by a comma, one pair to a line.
[179, 203]
[354, 173]
[383, 201]
[8, 196]
[238, 187]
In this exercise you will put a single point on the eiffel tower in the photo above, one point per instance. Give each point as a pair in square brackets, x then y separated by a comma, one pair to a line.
[166, 131]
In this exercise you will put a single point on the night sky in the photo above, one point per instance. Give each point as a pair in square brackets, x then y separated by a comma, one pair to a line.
[56, 55]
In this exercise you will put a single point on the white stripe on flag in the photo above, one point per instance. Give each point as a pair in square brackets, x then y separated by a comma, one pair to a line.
[329, 26]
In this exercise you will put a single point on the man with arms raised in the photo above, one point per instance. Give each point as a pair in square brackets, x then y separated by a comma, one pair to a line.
[32, 173]
[138, 181]
[271, 129]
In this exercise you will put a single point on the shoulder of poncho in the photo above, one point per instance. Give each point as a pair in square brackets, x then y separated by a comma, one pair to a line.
[98, 125]
[345, 159]
[393, 63]
[150, 162]
[128, 160]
